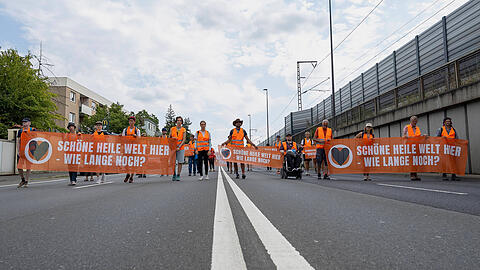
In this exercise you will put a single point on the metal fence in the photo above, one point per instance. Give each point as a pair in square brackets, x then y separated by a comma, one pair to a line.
[420, 69]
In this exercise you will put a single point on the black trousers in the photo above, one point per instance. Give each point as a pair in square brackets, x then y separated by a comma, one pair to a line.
[293, 160]
[202, 157]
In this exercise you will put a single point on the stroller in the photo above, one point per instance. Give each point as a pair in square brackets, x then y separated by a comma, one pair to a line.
[292, 165]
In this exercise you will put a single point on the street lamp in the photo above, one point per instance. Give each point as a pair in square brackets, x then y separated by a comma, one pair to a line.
[331, 62]
[250, 125]
[268, 128]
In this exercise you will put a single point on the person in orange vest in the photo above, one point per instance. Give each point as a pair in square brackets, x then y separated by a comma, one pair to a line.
[322, 134]
[236, 138]
[164, 133]
[25, 128]
[99, 134]
[412, 130]
[180, 134]
[211, 159]
[289, 144]
[192, 161]
[448, 131]
[307, 142]
[277, 144]
[367, 133]
[203, 145]
[131, 131]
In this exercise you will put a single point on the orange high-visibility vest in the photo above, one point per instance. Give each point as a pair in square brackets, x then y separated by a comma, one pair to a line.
[131, 131]
[178, 135]
[237, 137]
[367, 136]
[322, 136]
[293, 147]
[98, 135]
[411, 133]
[203, 141]
[277, 144]
[307, 142]
[450, 134]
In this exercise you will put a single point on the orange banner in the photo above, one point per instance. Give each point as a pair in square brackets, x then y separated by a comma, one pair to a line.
[49, 151]
[310, 152]
[397, 155]
[189, 151]
[264, 156]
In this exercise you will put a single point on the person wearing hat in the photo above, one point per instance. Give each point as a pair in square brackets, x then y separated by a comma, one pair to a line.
[322, 135]
[131, 131]
[411, 131]
[72, 135]
[25, 128]
[236, 138]
[367, 133]
[289, 144]
[448, 131]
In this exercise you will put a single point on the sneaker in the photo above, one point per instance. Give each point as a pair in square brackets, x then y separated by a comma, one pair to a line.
[174, 177]
[307, 174]
[26, 184]
[194, 174]
[237, 176]
[189, 174]
[206, 177]
[125, 180]
[201, 178]
[454, 178]
[244, 176]
[444, 177]
[177, 178]
[22, 183]
[74, 183]
[319, 177]
[326, 177]
[131, 180]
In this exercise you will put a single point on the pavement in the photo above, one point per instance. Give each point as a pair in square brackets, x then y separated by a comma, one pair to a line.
[263, 222]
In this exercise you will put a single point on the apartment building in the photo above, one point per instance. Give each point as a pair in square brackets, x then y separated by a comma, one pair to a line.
[74, 100]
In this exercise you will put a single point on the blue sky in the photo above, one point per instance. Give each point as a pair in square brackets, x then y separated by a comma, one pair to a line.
[209, 59]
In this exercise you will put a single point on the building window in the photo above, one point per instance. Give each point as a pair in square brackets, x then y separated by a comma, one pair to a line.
[72, 96]
[94, 105]
[71, 117]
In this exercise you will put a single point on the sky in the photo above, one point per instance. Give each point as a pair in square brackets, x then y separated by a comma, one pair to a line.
[212, 59]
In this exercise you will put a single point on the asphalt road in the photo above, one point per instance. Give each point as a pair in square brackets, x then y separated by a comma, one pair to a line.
[262, 222]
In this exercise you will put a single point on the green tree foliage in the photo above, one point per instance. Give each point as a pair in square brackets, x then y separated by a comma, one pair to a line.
[117, 118]
[23, 93]
[142, 115]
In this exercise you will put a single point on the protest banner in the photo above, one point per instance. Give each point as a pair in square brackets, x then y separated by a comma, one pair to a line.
[310, 152]
[264, 156]
[189, 151]
[397, 155]
[48, 151]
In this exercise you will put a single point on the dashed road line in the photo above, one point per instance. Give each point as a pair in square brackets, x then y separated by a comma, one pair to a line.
[424, 189]
[94, 185]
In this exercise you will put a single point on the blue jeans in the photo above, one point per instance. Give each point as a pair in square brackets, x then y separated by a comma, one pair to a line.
[192, 163]
[73, 176]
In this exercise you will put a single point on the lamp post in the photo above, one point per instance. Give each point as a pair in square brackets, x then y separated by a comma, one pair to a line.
[250, 125]
[331, 62]
[268, 128]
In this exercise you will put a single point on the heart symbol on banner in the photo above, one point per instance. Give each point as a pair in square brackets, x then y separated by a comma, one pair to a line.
[340, 156]
[38, 150]
[226, 153]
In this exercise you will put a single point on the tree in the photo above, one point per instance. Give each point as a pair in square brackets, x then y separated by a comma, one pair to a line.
[24, 93]
[142, 115]
[115, 115]
[170, 121]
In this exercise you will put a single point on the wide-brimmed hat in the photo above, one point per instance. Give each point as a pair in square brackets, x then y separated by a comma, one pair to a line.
[99, 123]
[369, 125]
[26, 119]
[237, 120]
[71, 124]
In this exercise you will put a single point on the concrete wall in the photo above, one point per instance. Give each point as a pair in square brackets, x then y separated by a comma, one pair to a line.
[7, 157]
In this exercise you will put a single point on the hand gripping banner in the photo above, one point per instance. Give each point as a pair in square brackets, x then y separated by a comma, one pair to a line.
[264, 156]
[397, 155]
[49, 151]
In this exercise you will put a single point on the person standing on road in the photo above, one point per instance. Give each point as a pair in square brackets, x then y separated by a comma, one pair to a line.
[131, 132]
[203, 145]
[72, 168]
[99, 135]
[307, 142]
[236, 138]
[211, 159]
[23, 176]
[410, 131]
[367, 134]
[192, 163]
[180, 134]
[277, 144]
[322, 134]
[448, 131]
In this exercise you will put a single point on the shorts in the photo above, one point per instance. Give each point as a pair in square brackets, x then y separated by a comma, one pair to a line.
[306, 159]
[321, 157]
[180, 156]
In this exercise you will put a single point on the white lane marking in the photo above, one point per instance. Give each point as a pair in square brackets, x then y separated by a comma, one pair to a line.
[283, 254]
[35, 182]
[94, 185]
[424, 189]
[226, 250]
